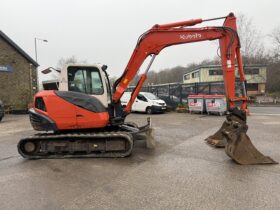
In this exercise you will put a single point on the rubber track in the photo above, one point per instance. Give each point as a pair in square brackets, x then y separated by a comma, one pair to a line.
[77, 136]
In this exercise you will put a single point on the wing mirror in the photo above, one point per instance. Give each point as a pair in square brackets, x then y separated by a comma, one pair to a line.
[104, 67]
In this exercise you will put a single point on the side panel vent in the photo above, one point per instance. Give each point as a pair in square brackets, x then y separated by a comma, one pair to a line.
[40, 104]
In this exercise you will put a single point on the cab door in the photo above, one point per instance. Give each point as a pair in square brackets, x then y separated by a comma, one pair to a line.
[140, 103]
[87, 80]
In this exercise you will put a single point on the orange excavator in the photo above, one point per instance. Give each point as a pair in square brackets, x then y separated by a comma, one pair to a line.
[86, 118]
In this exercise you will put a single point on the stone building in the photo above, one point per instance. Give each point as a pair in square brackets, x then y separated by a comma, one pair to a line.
[18, 75]
[255, 76]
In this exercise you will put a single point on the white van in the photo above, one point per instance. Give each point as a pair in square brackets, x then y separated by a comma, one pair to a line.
[145, 102]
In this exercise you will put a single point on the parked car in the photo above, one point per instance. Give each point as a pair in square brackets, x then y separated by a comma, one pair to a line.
[172, 101]
[1, 110]
[145, 102]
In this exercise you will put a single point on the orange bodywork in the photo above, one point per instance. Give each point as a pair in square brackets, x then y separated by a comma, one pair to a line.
[67, 116]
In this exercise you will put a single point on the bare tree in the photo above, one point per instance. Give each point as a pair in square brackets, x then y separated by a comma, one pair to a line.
[273, 69]
[69, 60]
[250, 38]
[172, 75]
[275, 35]
[152, 78]
[112, 80]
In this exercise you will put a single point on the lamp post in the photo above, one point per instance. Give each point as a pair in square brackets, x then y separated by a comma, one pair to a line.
[35, 40]
[36, 57]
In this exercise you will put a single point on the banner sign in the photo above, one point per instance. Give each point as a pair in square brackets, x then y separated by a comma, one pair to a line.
[6, 68]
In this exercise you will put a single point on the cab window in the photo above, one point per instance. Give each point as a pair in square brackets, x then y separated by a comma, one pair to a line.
[141, 98]
[85, 79]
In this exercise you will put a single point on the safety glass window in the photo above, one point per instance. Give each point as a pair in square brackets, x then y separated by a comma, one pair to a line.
[85, 80]
[141, 98]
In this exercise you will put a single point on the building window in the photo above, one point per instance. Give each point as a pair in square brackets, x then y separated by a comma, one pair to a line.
[252, 71]
[187, 76]
[195, 74]
[252, 87]
[214, 72]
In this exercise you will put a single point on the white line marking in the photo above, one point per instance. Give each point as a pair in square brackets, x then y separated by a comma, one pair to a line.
[259, 114]
[271, 123]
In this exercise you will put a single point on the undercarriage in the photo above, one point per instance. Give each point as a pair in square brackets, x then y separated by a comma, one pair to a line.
[107, 144]
[113, 143]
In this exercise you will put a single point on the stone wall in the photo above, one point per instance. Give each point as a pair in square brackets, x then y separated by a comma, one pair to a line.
[17, 88]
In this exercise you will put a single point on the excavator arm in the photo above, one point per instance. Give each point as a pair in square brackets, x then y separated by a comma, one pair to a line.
[162, 36]
[232, 135]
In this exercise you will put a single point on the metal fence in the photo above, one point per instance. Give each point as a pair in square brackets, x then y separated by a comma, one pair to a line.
[175, 93]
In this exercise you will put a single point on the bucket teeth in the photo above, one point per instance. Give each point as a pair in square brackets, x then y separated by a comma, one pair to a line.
[218, 139]
[218, 143]
[238, 146]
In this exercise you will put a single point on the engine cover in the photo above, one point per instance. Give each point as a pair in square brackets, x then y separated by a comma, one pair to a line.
[66, 110]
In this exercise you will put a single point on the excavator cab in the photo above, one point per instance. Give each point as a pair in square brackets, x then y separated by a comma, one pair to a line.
[87, 79]
[78, 119]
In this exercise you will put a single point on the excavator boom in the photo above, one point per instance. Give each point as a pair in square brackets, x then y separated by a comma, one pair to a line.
[162, 36]
[230, 135]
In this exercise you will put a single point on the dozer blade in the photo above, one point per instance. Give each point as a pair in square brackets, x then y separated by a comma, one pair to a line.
[150, 140]
[145, 132]
[239, 146]
[148, 136]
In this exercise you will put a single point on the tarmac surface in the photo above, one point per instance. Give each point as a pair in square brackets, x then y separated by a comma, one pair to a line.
[181, 173]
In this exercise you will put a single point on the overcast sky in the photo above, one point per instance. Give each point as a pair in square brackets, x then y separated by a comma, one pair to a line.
[106, 31]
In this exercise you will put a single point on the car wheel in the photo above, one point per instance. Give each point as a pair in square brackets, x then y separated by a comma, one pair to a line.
[1, 119]
[149, 110]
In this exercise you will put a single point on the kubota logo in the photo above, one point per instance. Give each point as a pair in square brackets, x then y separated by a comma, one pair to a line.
[190, 36]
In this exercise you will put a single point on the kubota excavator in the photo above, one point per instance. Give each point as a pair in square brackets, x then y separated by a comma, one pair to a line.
[87, 120]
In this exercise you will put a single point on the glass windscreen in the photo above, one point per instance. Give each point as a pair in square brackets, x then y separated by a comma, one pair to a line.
[85, 79]
[151, 96]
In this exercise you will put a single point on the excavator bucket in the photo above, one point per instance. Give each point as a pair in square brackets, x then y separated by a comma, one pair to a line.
[238, 145]
[218, 139]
